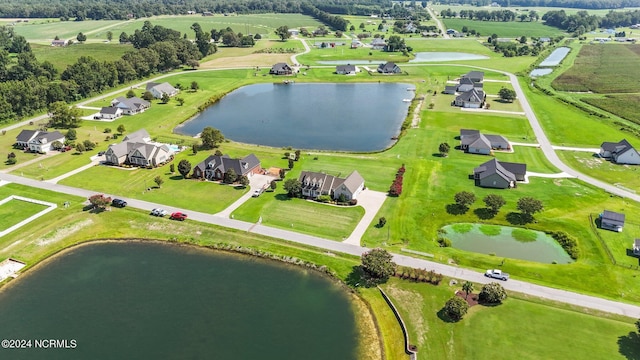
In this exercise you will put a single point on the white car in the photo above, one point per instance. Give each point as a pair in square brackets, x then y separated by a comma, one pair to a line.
[159, 212]
[256, 193]
[497, 274]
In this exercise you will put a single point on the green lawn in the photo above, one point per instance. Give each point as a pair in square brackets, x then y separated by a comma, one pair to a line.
[196, 195]
[620, 244]
[54, 166]
[14, 211]
[624, 105]
[44, 32]
[278, 210]
[517, 329]
[510, 29]
[626, 176]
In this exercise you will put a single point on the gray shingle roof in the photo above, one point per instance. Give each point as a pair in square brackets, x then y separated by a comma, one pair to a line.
[345, 68]
[111, 110]
[353, 181]
[223, 163]
[613, 218]
[616, 148]
[26, 135]
[474, 95]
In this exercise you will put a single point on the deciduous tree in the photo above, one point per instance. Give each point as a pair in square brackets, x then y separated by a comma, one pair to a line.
[378, 265]
[121, 129]
[464, 199]
[230, 176]
[492, 293]
[494, 202]
[507, 94]
[528, 206]
[99, 201]
[211, 137]
[456, 308]
[158, 180]
[283, 32]
[184, 167]
[293, 187]
[444, 149]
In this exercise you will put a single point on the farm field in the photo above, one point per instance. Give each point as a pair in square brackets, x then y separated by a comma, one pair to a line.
[518, 320]
[541, 10]
[43, 32]
[509, 29]
[61, 57]
[602, 69]
[623, 105]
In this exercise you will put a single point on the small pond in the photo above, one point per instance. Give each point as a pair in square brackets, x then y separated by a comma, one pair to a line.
[555, 57]
[162, 301]
[540, 72]
[445, 56]
[359, 117]
[504, 241]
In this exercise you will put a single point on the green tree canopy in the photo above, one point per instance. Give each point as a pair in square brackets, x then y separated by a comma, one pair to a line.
[378, 265]
[492, 293]
[293, 187]
[283, 32]
[456, 308]
[464, 199]
[184, 167]
[507, 94]
[211, 137]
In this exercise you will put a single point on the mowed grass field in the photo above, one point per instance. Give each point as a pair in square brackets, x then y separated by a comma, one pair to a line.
[61, 57]
[45, 31]
[627, 176]
[602, 69]
[14, 211]
[509, 29]
[519, 328]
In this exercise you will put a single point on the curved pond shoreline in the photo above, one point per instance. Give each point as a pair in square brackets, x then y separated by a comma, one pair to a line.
[361, 309]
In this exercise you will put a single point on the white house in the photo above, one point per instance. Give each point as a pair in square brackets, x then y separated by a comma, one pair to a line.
[43, 141]
[110, 112]
[621, 152]
[130, 106]
[138, 149]
[315, 184]
[160, 89]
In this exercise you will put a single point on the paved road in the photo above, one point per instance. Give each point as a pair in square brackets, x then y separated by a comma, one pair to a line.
[334, 246]
[438, 23]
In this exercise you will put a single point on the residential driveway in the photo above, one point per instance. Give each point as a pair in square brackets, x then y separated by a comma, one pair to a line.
[493, 111]
[568, 148]
[371, 201]
[257, 181]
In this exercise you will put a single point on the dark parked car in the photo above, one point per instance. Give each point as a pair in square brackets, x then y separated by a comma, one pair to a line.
[118, 203]
[178, 216]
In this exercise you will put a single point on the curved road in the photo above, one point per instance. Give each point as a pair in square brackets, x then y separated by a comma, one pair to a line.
[448, 270]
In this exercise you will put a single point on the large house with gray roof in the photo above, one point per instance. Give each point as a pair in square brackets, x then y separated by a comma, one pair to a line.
[611, 220]
[474, 99]
[215, 166]
[137, 149]
[315, 184]
[620, 153]
[389, 68]
[38, 141]
[474, 142]
[281, 69]
[158, 90]
[130, 106]
[499, 174]
[346, 69]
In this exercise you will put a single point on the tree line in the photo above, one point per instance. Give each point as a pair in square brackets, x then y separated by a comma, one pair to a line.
[580, 4]
[30, 86]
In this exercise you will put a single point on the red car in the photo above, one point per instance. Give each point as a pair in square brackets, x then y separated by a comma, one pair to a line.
[178, 216]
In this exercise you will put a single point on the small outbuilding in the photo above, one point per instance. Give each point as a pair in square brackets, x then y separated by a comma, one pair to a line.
[636, 247]
[611, 220]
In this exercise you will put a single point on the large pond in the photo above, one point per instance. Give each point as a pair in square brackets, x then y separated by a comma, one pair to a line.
[161, 301]
[555, 57]
[504, 241]
[349, 117]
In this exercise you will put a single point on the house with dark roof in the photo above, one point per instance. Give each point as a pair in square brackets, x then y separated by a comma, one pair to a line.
[474, 142]
[315, 184]
[131, 106]
[110, 112]
[389, 68]
[158, 90]
[611, 220]
[620, 153]
[38, 141]
[475, 76]
[378, 44]
[450, 89]
[346, 69]
[499, 174]
[215, 166]
[471, 99]
[137, 149]
[281, 69]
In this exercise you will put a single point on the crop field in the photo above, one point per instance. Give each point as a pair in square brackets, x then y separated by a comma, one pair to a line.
[44, 32]
[61, 57]
[525, 9]
[510, 29]
[602, 69]
[263, 24]
[625, 106]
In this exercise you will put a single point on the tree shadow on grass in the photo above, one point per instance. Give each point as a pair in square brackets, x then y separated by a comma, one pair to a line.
[356, 277]
[176, 177]
[515, 218]
[283, 197]
[629, 346]
[442, 315]
[484, 213]
[455, 209]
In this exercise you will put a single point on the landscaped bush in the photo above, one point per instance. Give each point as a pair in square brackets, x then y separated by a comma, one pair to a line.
[418, 275]
[396, 186]
[444, 242]
[324, 198]
[569, 244]
[456, 308]
[492, 293]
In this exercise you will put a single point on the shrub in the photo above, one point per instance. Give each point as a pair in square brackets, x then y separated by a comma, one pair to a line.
[107, 130]
[382, 221]
[324, 198]
[569, 244]
[456, 308]
[492, 293]
[444, 242]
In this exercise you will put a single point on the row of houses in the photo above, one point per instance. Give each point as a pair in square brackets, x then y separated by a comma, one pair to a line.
[135, 105]
[469, 90]
[383, 68]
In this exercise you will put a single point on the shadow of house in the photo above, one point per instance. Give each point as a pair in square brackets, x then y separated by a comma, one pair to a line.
[628, 346]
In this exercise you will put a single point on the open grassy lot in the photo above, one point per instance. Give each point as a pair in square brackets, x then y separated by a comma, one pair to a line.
[627, 176]
[61, 57]
[44, 32]
[625, 106]
[620, 244]
[510, 29]
[602, 69]
[54, 165]
[14, 211]
[249, 56]
[278, 210]
[520, 328]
